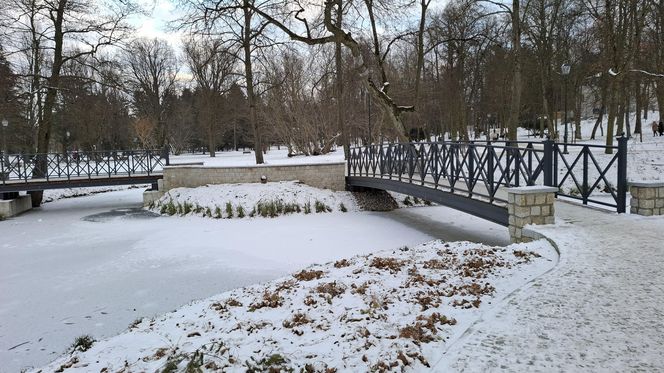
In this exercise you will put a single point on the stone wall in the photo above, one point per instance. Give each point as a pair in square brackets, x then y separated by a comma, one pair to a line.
[529, 205]
[647, 198]
[325, 175]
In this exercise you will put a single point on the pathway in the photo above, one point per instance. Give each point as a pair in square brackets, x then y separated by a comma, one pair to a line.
[601, 309]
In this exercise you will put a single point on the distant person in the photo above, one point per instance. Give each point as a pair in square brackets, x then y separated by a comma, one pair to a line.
[655, 128]
[661, 128]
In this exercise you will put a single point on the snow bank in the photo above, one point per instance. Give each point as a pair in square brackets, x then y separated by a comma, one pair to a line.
[51, 195]
[388, 310]
[240, 200]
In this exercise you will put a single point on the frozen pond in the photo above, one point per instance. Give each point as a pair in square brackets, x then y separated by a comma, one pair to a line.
[92, 265]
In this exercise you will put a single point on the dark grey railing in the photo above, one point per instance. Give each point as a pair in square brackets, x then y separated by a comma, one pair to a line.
[482, 169]
[77, 165]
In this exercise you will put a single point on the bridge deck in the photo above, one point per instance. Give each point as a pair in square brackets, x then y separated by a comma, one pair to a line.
[77, 182]
[478, 206]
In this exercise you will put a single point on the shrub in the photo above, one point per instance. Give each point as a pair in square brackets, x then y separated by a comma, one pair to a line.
[321, 207]
[187, 208]
[342, 208]
[229, 210]
[83, 343]
[240, 211]
[217, 212]
[170, 208]
[307, 207]
[208, 212]
[407, 201]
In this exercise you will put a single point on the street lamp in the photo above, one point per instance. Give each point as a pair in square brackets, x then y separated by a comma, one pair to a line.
[369, 104]
[67, 134]
[564, 70]
[5, 124]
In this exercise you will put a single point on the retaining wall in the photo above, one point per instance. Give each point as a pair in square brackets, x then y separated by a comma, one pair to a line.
[325, 175]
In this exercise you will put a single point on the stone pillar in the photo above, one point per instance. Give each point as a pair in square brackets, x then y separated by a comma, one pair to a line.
[529, 205]
[647, 198]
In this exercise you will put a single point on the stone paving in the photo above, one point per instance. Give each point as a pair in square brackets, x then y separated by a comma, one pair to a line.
[601, 309]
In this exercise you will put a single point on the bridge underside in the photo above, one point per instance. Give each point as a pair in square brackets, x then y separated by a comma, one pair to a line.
[481, 209]
[31, 184]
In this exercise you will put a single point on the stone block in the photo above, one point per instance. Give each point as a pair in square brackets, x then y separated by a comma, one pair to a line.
[549, 220]
[546, 210]
[660, 192]
[510, 198]
[511, 219]
[536, 211]
[522, 211]
[645, 212]
[550, 198]
[647, 193]
[647, 203]
[634, 209]
[520, 200]
[518, 232]
[540, 199]
[659, 203]
[538, 220]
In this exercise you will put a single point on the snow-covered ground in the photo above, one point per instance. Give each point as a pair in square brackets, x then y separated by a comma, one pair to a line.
[386, 311]
[94, 264]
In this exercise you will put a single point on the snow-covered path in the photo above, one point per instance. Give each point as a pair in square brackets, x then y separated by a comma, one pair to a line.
[92, 265]
[601, 309]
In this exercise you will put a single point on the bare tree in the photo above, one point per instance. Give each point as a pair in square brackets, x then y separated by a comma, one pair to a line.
[212, 67]
[151, 76]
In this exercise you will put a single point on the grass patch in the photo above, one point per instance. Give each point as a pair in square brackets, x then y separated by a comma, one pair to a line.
[83, 343]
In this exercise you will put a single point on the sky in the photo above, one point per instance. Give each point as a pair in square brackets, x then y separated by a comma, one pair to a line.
[155, 24]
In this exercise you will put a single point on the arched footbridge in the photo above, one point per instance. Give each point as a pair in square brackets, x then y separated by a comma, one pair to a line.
[473, 176]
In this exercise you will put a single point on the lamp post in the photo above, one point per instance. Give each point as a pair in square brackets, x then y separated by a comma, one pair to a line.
[67, 134]
[5, 124]
[564, 70]
[369, 105]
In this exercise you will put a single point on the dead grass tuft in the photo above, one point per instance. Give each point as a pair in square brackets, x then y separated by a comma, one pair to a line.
[269, 300]
[525, 256]
[392, 264]
[305, 275]
[341, 263]
[330, 290]
[298, 319]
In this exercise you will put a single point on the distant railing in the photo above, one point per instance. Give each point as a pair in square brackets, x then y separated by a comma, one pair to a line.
[77, 165]
[482, 169]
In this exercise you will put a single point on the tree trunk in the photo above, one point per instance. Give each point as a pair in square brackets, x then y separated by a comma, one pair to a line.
[340, 85]
[639, 106]
[602, 110]
[659, 86]
[249, 77]
[611, 120]
[420, 48]
[515, 103]
[44, 130]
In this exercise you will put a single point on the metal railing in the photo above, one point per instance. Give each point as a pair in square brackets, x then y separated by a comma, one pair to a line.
[483, 169]
[77, 165]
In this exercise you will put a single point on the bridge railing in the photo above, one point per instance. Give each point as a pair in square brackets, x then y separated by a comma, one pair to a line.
[484, 169]
[77, 165]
